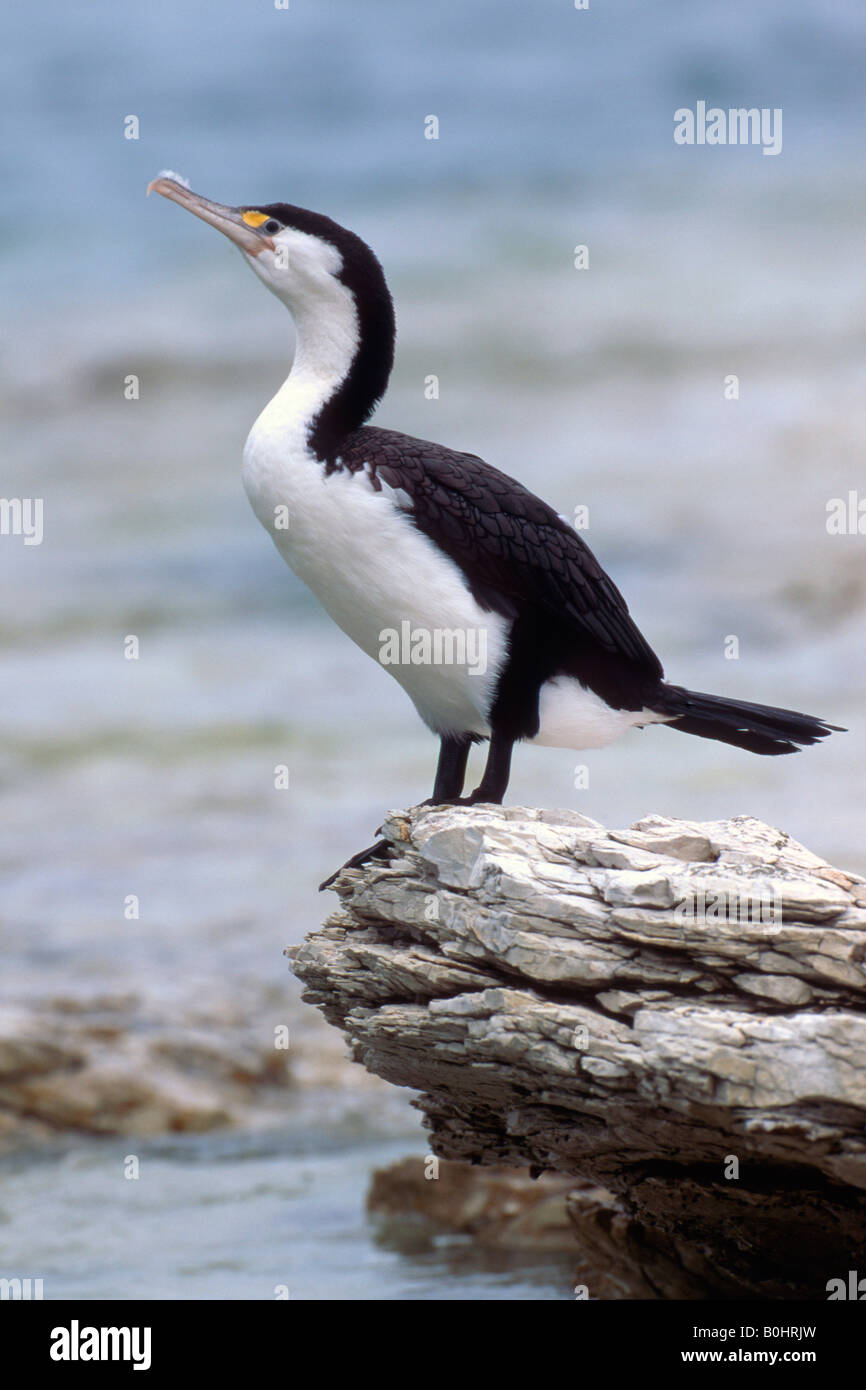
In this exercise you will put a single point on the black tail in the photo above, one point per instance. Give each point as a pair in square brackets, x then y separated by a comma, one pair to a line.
[757, 728]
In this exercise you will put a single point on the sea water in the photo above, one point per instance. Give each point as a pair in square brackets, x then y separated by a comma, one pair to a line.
[148, 769]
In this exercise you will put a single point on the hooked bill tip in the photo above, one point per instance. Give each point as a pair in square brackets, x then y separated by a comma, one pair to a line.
[167, 174]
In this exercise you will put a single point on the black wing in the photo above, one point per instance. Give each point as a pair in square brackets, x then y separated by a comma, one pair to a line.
[513, 548]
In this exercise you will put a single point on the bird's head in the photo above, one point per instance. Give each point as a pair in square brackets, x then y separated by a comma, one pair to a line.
[303, 257]
[331, 282]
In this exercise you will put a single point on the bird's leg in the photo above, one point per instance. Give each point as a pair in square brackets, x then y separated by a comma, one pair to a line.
[494, 783]
[451, 769]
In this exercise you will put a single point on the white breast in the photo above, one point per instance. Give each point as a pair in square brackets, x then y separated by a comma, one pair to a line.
[359, 552]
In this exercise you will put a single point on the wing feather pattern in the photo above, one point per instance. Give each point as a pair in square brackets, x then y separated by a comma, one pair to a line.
[514, 550]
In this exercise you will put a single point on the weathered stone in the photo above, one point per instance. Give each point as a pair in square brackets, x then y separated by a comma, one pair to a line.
[123, 1065]
[645, 1010]
[502, 1207]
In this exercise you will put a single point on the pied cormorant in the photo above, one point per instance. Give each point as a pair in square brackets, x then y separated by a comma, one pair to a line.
[400, 537]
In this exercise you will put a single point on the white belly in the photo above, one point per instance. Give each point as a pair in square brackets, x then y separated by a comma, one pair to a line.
[382, 581]
[388, 586]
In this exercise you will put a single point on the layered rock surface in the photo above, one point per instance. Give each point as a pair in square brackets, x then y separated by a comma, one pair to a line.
[672, 1012]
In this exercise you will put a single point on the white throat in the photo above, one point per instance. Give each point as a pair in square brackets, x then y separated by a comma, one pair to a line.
[327, 328]
[279, 465]
[325, 349]
[327, 341]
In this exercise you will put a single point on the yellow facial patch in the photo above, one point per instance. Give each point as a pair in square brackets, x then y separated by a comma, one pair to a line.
[254, 219]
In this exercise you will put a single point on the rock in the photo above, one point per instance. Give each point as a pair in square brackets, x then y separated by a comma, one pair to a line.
[502, 1207]
[672, 1015]
[112, 1065]
[28, 1049]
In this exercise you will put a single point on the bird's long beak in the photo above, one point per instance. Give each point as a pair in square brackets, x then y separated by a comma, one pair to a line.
[230, 221]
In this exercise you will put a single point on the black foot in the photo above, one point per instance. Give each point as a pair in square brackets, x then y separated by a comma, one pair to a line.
[376, 851]
[472, 800]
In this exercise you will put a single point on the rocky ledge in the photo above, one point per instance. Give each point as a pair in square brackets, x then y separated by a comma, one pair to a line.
[672, 1013]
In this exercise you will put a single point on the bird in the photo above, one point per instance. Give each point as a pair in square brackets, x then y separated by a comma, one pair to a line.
[403, 540]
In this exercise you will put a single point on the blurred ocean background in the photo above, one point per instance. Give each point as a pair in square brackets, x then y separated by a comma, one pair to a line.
[602, 387]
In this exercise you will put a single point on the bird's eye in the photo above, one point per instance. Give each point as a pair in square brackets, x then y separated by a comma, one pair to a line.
[272, 226]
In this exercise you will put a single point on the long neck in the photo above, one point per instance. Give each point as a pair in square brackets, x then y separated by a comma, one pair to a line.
[343, 359]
